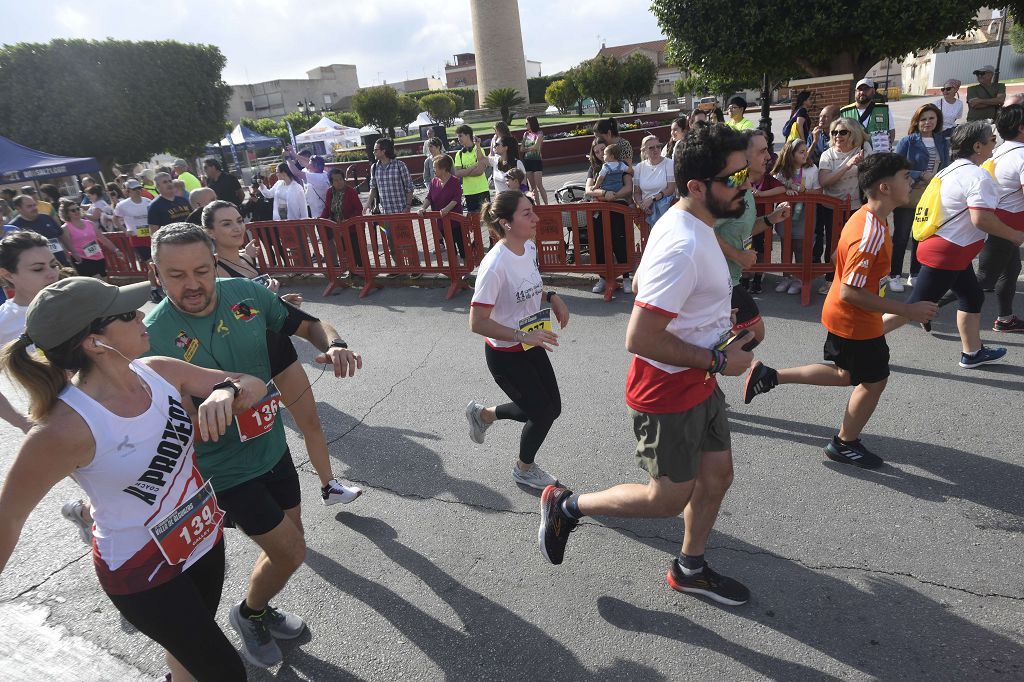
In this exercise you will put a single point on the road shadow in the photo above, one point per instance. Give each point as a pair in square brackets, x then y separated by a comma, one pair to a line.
[394, 459]
[493, 643]
[966, 476]
[880, 627]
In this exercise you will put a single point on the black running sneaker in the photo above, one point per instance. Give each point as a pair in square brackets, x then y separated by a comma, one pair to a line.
[722, 589]
[760, 379]
[1014, 324]
[555, 526]
[852, 453]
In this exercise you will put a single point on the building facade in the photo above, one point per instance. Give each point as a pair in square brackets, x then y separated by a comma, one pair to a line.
[654, 50]
[326, 87]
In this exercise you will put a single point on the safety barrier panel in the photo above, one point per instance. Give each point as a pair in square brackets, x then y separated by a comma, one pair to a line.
[127, 263]
[289, 247]
[805, 270]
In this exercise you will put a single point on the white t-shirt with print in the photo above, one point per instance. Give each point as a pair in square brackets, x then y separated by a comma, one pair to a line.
[511, 286]
[12, 321]
[317, 185]
[1009, 162]
[652, 179]
[134, 215]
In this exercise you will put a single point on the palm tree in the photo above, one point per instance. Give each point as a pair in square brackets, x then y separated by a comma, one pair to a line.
[504, 99]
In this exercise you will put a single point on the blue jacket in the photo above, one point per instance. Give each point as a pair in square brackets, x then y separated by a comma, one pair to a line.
[913, 148]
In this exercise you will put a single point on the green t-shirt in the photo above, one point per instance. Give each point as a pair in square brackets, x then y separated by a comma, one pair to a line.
[980, 91]
[735, 231]
[232, 338]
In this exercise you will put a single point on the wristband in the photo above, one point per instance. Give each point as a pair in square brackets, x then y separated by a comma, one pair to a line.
[227, 383]
[338, 343]
[718, 362]
[549, 295]
[767, 222]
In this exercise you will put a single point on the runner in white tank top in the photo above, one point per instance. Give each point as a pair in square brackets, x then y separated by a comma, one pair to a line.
[118, 428]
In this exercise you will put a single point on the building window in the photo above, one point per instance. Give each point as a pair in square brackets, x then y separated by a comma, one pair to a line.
[248, 105]
[328, 101]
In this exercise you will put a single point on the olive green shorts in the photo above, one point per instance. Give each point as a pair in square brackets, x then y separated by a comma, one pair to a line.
[671, 444]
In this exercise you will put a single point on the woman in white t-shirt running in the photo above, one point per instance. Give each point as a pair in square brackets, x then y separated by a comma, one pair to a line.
[509, 292]
[26, 265]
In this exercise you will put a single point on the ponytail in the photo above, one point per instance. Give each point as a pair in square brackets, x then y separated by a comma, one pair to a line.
[44, 374]
[607, 125]
[502, 207]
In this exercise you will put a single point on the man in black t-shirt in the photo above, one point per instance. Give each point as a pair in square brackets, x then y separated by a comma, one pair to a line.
[167, 208]
[29, 218]
[224, 184]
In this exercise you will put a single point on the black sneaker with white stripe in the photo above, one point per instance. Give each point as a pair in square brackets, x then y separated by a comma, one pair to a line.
[721, 588]
[853, 453]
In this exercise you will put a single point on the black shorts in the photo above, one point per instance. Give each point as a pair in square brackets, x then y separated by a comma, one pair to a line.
[867, 361]
[281, 351]
[91, 268]
[258, 505]
[747, 312]
[474, 202]
[533, 165]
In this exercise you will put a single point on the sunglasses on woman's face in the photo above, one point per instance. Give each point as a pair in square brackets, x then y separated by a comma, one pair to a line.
[947, 89]
[732, 181]
[102, 322]
[840, 133]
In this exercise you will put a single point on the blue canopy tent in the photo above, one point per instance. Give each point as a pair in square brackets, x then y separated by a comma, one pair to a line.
[19, 164]
[245, 138]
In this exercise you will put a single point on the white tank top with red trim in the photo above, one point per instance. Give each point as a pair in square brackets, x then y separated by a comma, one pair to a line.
[143, 469]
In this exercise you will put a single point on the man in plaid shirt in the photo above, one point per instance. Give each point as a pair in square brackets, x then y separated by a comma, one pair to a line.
[390, 182]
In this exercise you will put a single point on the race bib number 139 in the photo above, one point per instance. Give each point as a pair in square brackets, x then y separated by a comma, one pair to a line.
[182, 531]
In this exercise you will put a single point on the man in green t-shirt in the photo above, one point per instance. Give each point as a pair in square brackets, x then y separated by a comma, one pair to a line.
[733, 234]
[222, 324]
[873, 114]
[985, 98]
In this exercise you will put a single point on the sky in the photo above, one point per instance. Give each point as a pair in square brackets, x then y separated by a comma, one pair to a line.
[387, 40]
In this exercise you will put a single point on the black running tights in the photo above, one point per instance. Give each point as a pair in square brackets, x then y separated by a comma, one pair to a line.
[179, 616]
[999, 267]
[529, 380]
[931, 283]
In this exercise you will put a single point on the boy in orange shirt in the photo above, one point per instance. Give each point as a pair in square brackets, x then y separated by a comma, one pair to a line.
[853, 313]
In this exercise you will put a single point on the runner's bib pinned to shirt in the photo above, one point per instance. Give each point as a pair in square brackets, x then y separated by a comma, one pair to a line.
[539, 320]
[54, 245]
[142, 231]
[92, 249]
[181, 532]
[259, 419]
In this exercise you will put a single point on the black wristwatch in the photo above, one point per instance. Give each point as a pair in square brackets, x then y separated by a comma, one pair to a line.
[338, 343]
[228, 383]
[549, 295]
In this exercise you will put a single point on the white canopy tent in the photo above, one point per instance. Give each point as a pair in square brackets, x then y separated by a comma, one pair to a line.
[330, 133]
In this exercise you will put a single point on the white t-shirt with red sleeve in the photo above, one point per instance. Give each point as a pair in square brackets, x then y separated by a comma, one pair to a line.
[511, 286]
[1009, 168]
[684, 276]
[965, 186]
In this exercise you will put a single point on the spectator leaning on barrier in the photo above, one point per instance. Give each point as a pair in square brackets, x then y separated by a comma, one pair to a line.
[736, 108]
[343, 203]
[390, 182]
[873, 115]
[607, 130]
[985, 98]
[618, 220]
[445, 196]
[470, 164]
[950, 105]
[226, 185]
[928, 153]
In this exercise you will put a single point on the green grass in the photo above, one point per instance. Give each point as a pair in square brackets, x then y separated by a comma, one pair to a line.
[487, 127]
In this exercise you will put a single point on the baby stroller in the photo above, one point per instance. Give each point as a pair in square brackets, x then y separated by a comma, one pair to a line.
[573, 193]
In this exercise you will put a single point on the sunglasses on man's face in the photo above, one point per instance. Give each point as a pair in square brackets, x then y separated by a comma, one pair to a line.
[732, 181]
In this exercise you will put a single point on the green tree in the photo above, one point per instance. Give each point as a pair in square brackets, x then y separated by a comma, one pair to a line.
[563, 95]
[600, 79]
[115, 100]
[441, 106]
[639, 74]
[408, 110]
[345, 118]
[537, 88]
[504, 99]
[378, 106]
[795, 39]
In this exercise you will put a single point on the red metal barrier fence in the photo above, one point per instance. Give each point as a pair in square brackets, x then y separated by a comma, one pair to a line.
[410, 244]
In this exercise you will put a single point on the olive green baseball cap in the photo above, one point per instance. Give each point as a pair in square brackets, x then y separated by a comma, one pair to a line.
[66, 308]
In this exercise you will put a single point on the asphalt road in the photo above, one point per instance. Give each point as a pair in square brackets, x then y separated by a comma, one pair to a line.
[910, 572]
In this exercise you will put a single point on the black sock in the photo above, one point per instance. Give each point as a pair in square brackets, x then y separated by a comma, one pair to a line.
[846, 442]
[571, 507]
[691, 563]
[246, 612]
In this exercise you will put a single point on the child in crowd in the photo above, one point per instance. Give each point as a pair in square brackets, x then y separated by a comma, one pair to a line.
[613, 170]
[516, 179]
[798, 175]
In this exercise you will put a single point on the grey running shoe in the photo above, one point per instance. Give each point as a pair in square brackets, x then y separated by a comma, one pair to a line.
[283, 625]
[477, 426]
[77, 513]
[258, 647]
[534, 477]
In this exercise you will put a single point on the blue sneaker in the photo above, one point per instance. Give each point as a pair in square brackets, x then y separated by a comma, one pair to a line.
[983, 357]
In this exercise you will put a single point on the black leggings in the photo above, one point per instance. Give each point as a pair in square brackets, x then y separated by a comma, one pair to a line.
[999, 267]
[932, 283]
[179, 616]
[902, 236]
[529, 380]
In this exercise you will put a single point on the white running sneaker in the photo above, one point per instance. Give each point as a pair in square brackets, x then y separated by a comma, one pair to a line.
[336, 491]
[477, 426]
[534, 477]
[782, 285]
[910, 282]
[627, 285]
[794, 287]
[896, 284]
[599, 286]
[77, 513]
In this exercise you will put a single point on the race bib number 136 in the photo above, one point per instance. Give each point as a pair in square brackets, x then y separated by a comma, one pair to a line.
[260, 418]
